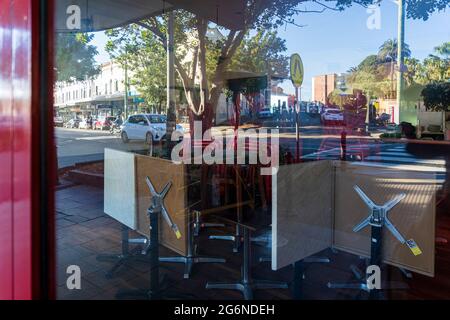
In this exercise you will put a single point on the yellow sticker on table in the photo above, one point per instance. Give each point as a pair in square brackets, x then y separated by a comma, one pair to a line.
[414, 247]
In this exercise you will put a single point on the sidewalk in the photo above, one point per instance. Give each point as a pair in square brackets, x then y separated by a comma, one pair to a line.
[82, 231]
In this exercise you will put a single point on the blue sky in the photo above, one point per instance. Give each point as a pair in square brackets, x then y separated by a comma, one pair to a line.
[332, 42]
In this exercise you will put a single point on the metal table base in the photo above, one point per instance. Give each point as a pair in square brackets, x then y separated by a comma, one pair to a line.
[246, 285]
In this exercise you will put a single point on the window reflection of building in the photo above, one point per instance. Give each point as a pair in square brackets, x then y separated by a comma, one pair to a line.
[322, 86]
[70, 97]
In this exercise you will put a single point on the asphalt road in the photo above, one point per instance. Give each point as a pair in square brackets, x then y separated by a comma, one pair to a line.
[316, 143]
[77, 145]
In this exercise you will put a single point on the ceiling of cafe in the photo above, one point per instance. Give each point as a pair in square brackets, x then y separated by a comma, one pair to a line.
[97, 15]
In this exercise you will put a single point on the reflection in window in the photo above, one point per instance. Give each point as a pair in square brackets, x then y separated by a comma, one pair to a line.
[298, 161]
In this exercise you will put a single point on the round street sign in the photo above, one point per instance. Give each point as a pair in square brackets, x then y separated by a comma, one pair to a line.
[296, 70]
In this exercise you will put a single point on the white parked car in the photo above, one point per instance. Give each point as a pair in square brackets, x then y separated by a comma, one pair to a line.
[333, 116]
[146, 127]
[265, 113]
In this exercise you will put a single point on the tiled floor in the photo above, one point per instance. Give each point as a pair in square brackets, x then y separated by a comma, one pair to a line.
[84, 231]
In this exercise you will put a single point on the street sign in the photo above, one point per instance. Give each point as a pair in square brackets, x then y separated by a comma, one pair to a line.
[296, 68]
[138, 100]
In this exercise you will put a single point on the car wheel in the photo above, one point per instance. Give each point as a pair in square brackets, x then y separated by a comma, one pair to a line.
[124, 137]
[149, 138]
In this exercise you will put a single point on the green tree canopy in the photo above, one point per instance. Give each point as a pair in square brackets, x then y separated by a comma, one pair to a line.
[436, 96]
[200, 63]
[375, 74]
[75, 57]
[388, 51]
[137, 50]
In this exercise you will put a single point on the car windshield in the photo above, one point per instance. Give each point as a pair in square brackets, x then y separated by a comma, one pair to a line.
[334, 111]
[156, 118]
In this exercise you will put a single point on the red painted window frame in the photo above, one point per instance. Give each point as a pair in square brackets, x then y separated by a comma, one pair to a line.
[27, 152]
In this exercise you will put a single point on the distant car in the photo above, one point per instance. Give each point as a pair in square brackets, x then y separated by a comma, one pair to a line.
[146, 127]
[265, 113]
[72, 123]
[58, 121]
[332, 116]
[104, 123]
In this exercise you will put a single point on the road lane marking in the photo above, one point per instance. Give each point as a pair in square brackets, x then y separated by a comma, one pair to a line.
[406, 159]
[97, 138]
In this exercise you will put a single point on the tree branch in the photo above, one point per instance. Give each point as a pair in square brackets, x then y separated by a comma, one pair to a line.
[202, 27]
[155, 28]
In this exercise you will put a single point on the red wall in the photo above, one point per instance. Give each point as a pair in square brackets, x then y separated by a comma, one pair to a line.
[19, 149]
[15, 152]
[6, 158]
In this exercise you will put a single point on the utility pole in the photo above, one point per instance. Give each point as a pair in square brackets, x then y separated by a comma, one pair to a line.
[297, 122]
[125, 99]
[400, 55]
[297, 73]
[171, 116]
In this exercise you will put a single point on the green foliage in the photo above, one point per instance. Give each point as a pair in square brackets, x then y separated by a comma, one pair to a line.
[443, 50]
[370, 63]
[434, 68]
[201, 61]
[262, 53]
[372, 76]
[75, 57]
[139, 51]
[375, 74]
[389, 50]
[422, 9]
[436, 96]
[140, 47]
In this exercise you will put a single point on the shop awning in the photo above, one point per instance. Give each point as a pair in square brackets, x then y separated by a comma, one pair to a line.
[97, 15]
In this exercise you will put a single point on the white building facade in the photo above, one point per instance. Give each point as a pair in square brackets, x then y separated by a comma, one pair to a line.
[102, 95]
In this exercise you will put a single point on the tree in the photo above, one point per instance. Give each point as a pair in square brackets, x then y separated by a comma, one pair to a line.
[145, 59]
[262, 53]
[202, 75]
[436, 96]
[388, 51]
[373, 73]
[443, 50]
[434, 68]
[369, 64]
[75, 57]
[421, 9]
[375, 84]
[372, 76]
[415, 72]
[437, 66]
